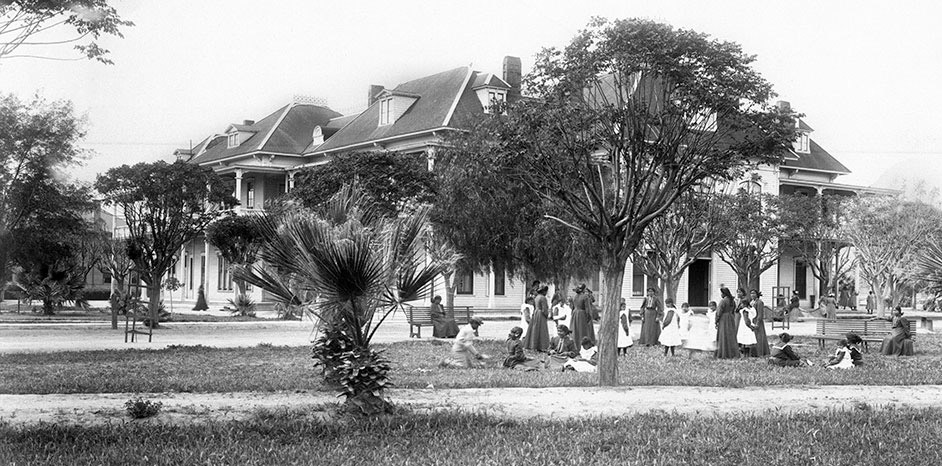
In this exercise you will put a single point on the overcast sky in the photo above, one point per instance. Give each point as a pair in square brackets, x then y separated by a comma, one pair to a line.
[866, 74]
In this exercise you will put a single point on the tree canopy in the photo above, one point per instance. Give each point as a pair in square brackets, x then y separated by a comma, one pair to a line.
[31, 24]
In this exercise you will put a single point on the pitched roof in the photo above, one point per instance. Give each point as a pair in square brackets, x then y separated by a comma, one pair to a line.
[804, 126]
[437, 95]
[819, 159]
[287, 130]
[489, 80]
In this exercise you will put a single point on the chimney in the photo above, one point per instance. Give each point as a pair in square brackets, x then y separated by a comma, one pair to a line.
[784, 105]
[248, 122]
[512, 75]
[374, 90]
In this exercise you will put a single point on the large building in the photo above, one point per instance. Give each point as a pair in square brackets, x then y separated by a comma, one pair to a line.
[263, 157]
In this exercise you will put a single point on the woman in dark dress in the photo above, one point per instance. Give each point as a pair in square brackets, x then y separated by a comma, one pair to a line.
[652, 311]
[582, 315]
[537, 332]
[727, 347]
[899, 342]
[762, 340]
[443, 326]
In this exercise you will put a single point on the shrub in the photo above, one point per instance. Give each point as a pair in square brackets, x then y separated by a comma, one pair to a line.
[141, 408]
[242, 306]
[360, 372]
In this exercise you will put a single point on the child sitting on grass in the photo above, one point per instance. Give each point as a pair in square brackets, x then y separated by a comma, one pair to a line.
[848, 354]
[516, 359]
[587, 360]
[783, 355]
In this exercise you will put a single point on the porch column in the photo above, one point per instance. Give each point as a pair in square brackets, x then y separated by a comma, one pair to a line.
[206, 271]
[238, 190]
[291, 180]
[114, 230]
[430, 156]
[287, 182]
[489, 276]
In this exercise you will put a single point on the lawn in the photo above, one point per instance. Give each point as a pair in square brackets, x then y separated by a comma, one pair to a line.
[861, 437]
[415, 365]
[9, 314]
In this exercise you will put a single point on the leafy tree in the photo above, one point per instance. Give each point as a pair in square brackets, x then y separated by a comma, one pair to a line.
[237, 240]
[38, 139]
[749, 225]
[889, 234]
[166, 206]
[392, 182]
[628, 117]
[672, 242]
[816, 238]
[27, 23]
[114, 260]
[356, 262]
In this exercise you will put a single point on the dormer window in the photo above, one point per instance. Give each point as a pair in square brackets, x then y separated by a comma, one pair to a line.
[318, 135]
[803, 144]
[385, 112]
[233, 140]
[494, 97]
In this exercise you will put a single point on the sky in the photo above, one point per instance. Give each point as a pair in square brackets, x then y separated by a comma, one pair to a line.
[866, 74]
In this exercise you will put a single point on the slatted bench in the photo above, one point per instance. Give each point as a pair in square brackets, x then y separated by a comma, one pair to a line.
[868, 330]
[417, 316]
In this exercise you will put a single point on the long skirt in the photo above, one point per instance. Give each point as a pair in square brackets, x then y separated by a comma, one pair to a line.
[727, 347]
[896, 344]
[443, 327]
[761, 348]
[582, 327]
[650, 328]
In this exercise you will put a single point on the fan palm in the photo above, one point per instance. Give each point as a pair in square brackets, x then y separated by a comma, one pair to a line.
[360, 266]
[929, 267]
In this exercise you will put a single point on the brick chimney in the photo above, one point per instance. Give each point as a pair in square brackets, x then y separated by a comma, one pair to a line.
[784, 105]
[248, 122]
[374, 90]
[512, 76]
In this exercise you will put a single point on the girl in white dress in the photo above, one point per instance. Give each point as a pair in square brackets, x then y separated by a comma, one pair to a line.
[685, 314]
[624, 334]
[561, 312]
[587, 360]
[745, 334]
[670, 331]
[701, 333]
[526, 313]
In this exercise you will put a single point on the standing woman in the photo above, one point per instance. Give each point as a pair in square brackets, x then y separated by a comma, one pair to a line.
[526, 314]
[652, 311]
[582, 325]
[830, 306]
[726, 345]
[871, 302]
[762, 340]
[538, 333]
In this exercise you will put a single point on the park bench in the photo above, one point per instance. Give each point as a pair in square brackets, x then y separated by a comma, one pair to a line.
[419, 316]
[868, 330]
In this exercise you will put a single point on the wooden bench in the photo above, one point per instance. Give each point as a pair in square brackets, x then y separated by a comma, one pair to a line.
[417, 316]
[868, 330]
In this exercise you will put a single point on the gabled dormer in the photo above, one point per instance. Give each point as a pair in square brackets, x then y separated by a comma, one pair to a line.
[802, 144]
[393, 104]
[490, 90]
[237, 134]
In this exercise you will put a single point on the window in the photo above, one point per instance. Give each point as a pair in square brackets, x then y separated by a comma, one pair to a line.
[803, 144]
[233, 140]
[223, 278]
[202, 269]
[385, 112]
[499, 281]
[250, 196]
[465, 282]
[637, 281]
[106, 277]
[751, 186]
[189, 264]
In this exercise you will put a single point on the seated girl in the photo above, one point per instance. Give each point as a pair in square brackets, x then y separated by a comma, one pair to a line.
[783, 355]
[516, 359]
[561, 348]
[587, 360]
[848, 353]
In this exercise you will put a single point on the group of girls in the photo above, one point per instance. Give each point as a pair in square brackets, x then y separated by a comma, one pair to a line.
[848, 353]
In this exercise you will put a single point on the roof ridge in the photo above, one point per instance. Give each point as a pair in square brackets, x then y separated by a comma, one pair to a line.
[454, 104]
[275, 126]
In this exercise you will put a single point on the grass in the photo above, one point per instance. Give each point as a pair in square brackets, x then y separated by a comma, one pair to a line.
[860, 437]
[415, 365]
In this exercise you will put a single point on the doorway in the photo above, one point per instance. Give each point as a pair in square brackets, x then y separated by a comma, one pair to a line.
[698, 283]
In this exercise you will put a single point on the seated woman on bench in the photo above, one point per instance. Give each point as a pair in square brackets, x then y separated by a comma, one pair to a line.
[443, 325]
[899, 342]
[784, 356]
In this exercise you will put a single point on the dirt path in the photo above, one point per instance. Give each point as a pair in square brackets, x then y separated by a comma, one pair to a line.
[92, 409]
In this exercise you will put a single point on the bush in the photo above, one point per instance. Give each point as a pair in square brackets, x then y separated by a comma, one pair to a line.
[141, 408]
[361, 373]
[96, 294]
[242, 306]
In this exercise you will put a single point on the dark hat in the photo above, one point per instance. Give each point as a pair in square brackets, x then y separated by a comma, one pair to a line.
[479, 320]
[564, 329]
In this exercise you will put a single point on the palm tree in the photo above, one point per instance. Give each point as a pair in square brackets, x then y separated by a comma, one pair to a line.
[929, 268]
[359, 266]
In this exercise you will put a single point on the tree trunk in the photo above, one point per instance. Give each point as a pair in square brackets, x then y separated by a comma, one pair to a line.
[449, 294]
[48, 308]
[670, 287]
[613, 266]
[153, 296]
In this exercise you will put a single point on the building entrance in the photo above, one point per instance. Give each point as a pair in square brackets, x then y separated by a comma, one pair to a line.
[698, 283]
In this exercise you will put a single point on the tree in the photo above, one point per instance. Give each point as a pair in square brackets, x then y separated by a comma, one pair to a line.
[889, 233]
[749, 225]
[625, 119]
[38, 139]
[29, 23]
[392, 182]
[675, 240]
[237, 240]
[359, 264]
[166, 206]
[814, 235]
